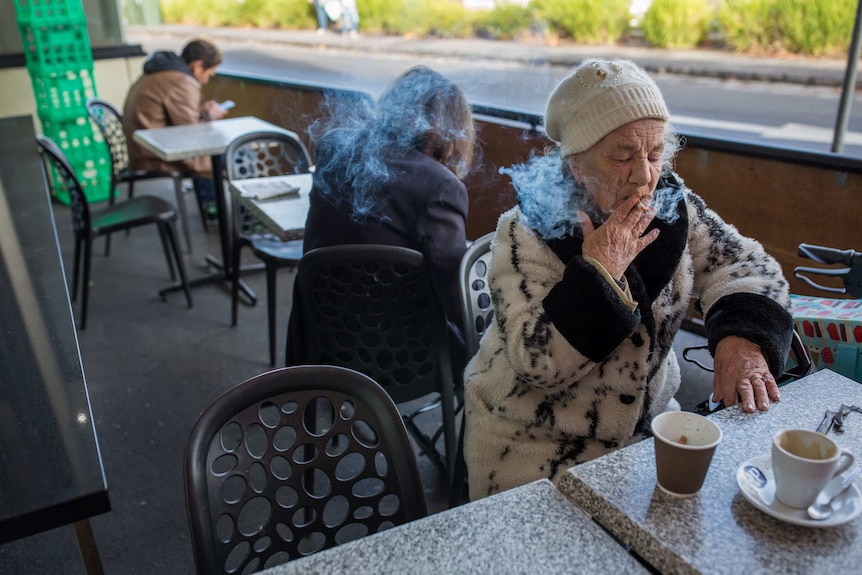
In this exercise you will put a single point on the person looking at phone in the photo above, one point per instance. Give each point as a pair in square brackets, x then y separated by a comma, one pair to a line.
[169, 93]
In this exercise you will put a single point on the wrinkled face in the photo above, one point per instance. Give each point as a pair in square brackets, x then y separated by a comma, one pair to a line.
[625, 162]
[201, 74]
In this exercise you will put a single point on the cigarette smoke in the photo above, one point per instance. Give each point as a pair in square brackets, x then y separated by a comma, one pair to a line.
[419, 111]
[549, 198]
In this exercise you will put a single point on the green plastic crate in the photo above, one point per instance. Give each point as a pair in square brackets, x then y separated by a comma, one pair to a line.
[63, 97]
[85, 149]
[42, 12]
[55, 49]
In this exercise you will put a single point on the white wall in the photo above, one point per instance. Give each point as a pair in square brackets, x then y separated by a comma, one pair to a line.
[113, 78]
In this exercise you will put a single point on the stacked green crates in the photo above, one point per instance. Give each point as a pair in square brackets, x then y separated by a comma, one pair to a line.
[60, 63]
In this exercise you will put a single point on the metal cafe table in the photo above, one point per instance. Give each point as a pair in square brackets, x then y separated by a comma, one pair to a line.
[719, 530]
[282, 215]
[529, 529]
[51, 471]
[174, 143]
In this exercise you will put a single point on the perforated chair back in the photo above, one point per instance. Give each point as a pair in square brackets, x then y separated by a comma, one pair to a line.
[110, 123]
[475, 291]
[373, 308]
[69, 183]
[259, 155]
[294, 461]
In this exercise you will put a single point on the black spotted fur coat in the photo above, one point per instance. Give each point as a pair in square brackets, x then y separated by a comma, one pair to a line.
[567, 372]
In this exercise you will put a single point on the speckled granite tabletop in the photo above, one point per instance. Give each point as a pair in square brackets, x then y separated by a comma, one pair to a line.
[204, 139]
[531, 529]
[718, 530]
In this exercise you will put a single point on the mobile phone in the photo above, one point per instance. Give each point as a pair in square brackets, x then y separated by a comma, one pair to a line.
[227, 105]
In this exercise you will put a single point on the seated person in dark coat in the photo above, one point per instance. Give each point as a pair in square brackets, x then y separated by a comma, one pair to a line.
[391, 175]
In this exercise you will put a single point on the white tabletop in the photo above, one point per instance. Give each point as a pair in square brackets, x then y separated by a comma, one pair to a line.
[530, 529]
[283, 216]
[174, 143]
[718, 530]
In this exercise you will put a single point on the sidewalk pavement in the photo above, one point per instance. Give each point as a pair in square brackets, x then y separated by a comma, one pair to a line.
[696, 62]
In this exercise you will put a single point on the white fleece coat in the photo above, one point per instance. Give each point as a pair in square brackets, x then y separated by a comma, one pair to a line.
[567, 373]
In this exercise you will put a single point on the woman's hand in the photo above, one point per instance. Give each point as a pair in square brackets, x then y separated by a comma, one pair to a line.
[617, 242]
[741, 368]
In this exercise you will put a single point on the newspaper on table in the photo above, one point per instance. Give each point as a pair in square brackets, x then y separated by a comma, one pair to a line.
[267, 189]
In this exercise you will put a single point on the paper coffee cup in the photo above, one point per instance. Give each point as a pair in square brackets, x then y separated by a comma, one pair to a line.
[803, 462]
[684, 445]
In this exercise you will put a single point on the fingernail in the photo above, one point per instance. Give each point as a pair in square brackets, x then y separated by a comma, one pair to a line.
[749, 407]
[764, 406]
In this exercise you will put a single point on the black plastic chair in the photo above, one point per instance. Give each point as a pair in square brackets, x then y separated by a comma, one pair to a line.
[294, 461]
[373, 308]
[88, 225]
[477, 316]
[258, 155]
[110, 124]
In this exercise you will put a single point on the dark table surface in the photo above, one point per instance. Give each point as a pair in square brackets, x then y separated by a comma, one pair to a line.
[51, 471]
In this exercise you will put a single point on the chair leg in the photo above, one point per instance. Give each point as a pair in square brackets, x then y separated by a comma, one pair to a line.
[234, 282]
[181, 207]
[458, 489]
[85, 287]
[166, 248]
[170, 232]
[131, 195]
[76, 266]
[449, 438]
[271, 274]
[201, 209]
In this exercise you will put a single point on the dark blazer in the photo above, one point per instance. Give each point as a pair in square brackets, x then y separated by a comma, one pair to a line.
[425, 209]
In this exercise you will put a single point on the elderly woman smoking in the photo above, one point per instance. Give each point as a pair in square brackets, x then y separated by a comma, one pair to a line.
[591, 277]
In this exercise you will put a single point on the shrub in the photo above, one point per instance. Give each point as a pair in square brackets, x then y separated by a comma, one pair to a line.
[677, 23]
[505, 21]
[260, 13]
[442, 18]
[748, 25]
[586, 21]
[815, 27]
[386, 16]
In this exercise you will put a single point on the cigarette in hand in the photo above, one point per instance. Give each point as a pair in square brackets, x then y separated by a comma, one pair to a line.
[643, 207]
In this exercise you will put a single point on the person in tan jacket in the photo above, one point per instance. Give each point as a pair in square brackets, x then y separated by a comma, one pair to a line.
[170, 94]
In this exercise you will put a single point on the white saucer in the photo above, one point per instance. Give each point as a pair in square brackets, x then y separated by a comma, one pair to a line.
[846, 507]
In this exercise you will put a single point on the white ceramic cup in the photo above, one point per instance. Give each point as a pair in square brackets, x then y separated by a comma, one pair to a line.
[803, 462]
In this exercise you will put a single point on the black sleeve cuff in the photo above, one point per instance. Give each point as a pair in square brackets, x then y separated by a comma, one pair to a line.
[756, 318]
[587, 311]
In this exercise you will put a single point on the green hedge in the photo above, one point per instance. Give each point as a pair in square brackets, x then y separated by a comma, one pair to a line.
[810, 27]
[677, 23]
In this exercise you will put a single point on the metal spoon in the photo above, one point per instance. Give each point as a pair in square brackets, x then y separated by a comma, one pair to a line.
[822, 507]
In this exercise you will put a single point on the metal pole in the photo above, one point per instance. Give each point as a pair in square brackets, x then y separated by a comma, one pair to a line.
[849, 83]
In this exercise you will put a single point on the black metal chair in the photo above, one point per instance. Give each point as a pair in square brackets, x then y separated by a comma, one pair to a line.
[294, 461]
[477, 316]
[88, 225]
[259, 155]
[475, 291]
[110, 124]
[373, 308]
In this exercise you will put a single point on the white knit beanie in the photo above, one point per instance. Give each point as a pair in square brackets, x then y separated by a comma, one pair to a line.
[596, 99]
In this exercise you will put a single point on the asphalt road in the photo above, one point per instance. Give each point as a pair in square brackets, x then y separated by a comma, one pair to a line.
[774, 113]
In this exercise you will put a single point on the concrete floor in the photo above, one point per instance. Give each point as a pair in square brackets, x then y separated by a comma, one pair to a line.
[151, 368]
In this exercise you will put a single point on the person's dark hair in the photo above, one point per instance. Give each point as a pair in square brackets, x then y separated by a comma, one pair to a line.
[203, 50]
[433, 113]
[421, 110]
